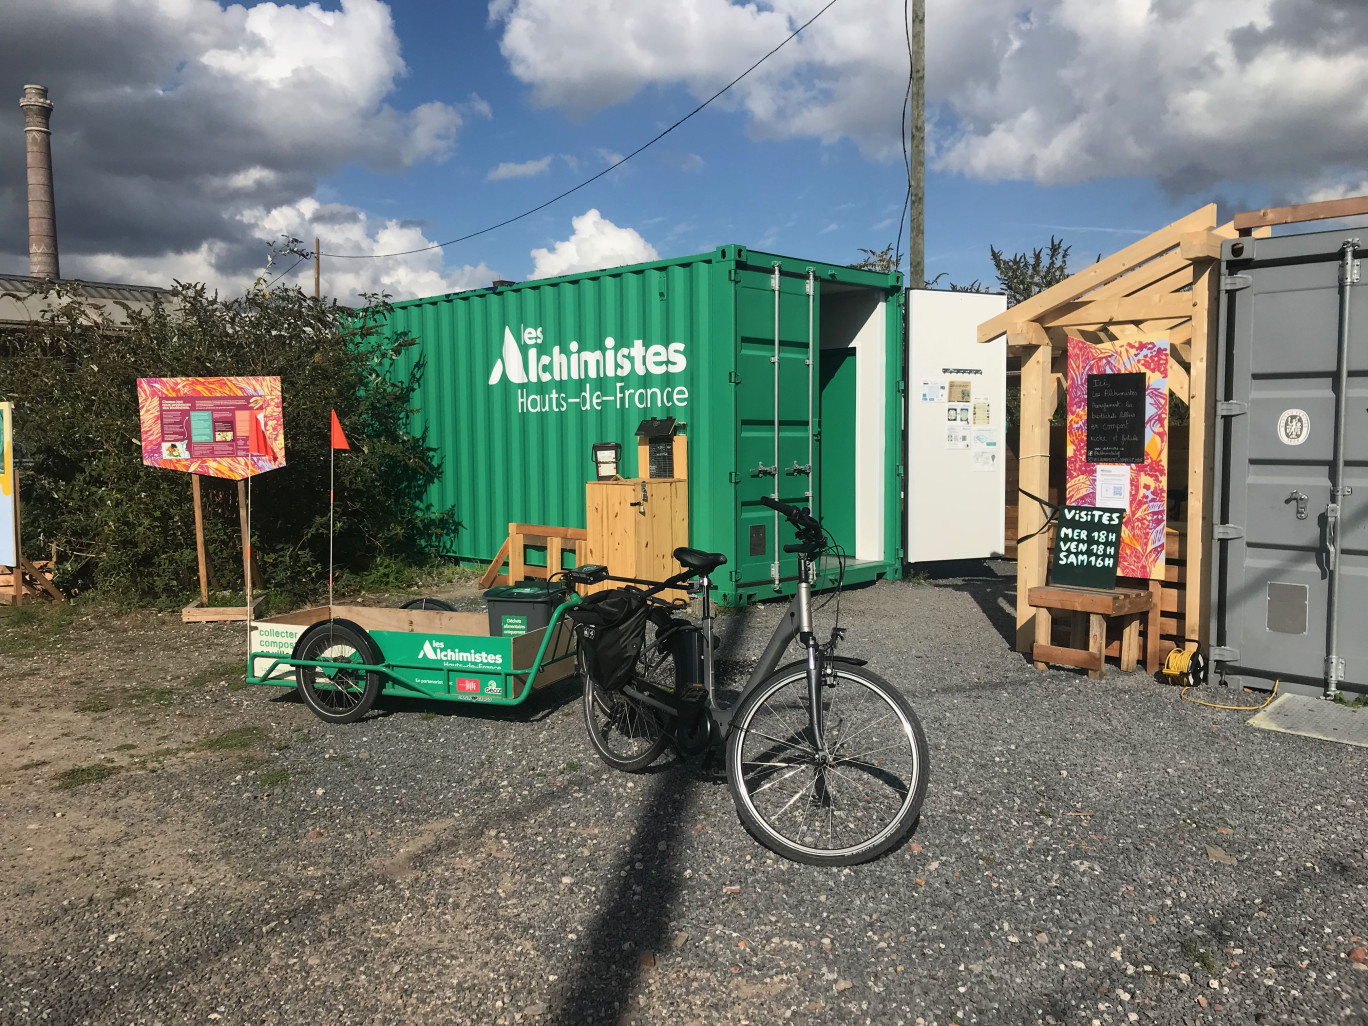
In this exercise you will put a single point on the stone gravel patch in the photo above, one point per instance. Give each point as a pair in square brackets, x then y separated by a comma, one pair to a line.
[1088, 853]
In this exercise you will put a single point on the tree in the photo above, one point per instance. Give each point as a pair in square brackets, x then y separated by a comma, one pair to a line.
[1023, 276]
[885, 261]
[72, 376]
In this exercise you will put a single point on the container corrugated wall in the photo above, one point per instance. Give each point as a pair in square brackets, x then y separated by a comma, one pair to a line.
[517, 447]
[521, 450]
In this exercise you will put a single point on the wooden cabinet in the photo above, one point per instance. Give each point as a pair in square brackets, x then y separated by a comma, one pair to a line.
[633, 527]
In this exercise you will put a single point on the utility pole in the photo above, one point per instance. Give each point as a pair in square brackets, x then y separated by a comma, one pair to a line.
[916, 177]
[316, 263]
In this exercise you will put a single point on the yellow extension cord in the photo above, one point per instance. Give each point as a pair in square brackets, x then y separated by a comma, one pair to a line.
[1232, 708]
[1177, 665]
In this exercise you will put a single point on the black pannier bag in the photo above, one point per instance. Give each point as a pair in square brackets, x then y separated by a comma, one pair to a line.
[611, 626]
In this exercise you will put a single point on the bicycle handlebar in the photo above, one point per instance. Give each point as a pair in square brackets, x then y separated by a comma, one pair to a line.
[799, 517]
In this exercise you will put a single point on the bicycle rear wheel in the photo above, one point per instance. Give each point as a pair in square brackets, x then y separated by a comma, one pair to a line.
[859, 801]
[626, 732]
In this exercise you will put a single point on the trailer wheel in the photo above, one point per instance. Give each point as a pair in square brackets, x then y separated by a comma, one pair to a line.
[337, 695]
[429, 603]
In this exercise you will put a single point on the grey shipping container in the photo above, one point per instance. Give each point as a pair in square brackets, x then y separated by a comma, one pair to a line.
[786, 372]
[1290, 564]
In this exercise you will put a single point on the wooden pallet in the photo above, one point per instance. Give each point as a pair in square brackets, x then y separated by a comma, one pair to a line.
[35, 582]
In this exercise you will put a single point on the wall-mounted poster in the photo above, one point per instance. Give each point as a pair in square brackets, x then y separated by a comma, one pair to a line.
[1111, 374]
[217, 427]
[9, 487]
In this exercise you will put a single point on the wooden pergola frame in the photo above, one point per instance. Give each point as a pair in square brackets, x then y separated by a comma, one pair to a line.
[1167, 284]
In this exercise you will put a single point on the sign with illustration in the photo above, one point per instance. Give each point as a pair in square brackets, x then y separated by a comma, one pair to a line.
[217, 427]
[1120, 461]
[1087, 547]
[9, 488]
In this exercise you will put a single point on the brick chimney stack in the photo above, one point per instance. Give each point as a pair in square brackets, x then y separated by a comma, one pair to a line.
[42, 215]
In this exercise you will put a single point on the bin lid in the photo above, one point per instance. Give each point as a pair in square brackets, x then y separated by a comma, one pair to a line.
[526, 591]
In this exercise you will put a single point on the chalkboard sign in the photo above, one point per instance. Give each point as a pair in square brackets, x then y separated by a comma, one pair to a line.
[1087, 546]
[1116, 418]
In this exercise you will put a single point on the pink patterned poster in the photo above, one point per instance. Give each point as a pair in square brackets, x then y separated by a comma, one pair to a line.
[1139, 484]
[217, 427]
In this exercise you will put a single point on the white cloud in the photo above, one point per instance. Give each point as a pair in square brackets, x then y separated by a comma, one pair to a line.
[1249, 91]
[595, 244]
[527, 169]
[342, 230]
[178, 121]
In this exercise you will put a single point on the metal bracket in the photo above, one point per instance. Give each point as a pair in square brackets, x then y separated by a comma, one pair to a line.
[763, 471]
[1350, 275]
[797, 469]
[811, 284]
[1222, 654]
[642, 503]
[1334, 669]
[774, 278]
[1226, 532]
[1235, 282]
[1231, 408]
[1301, 500]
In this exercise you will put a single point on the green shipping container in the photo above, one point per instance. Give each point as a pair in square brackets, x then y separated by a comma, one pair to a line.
[786, 373]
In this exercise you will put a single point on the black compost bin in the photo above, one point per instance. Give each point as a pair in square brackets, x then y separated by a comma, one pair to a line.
[517, 609]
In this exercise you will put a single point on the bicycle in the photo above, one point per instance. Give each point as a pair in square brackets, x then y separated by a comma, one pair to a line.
[825, 760]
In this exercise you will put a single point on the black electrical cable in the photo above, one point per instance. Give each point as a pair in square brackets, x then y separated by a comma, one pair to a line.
[287, 271]
[903, 126]
[587, 181]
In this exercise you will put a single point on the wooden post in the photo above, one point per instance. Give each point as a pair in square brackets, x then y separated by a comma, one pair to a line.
[199, 540]
[315, 267]
[18, 546]
[1034, 477]
[246, 546]
[1201, 453]
[916, 177]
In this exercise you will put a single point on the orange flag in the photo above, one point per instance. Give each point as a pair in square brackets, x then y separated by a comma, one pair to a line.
[257, 443]
[339, 440]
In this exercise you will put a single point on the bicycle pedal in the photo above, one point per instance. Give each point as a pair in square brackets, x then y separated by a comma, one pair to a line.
[692, 693]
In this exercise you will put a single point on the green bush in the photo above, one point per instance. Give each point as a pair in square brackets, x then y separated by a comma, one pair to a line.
[72, 376]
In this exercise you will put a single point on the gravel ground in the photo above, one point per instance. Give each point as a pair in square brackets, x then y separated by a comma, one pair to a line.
[1088, 853]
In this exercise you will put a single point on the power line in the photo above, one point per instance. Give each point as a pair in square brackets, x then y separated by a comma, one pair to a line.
[285, 272]
[611, 167]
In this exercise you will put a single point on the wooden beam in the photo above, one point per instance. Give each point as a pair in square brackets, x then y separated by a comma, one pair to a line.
[1178, 381]
[1352, 206]
[199, 540]
[1033, 476]
[1143, 277]
[491, 573]
[1200, 246]
[1028, 333]
[1100, 273]
[1201, 454]
[1125, 308]
[1184, 348]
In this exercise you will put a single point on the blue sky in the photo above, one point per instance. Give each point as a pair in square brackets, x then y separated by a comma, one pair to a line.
[188, 133]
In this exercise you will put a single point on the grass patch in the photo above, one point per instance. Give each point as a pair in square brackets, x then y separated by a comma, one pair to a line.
[34, 764]
[145, 696]
[1199, 957]
[124, 891]
[78, 776]
[1045, 812]
[29, 629]
[429, 715]
[1358, 702]
[124, 748]
[274, 777]
[233, 740]
[94, 705]
[228, 672]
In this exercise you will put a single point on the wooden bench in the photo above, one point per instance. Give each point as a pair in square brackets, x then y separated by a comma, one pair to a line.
[1090, 609]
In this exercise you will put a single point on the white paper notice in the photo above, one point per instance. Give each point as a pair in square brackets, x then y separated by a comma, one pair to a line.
[932, 391]
[985, 445]
[956, 435]
[1113, 485]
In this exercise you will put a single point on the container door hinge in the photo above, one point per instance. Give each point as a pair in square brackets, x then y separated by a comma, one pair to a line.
[734, 576]
[734, 377]
[1231, 408]
[733, 274]
[734, 476]
[1235, 282]
[1226, 532]
[1222, 654]
[902, 387]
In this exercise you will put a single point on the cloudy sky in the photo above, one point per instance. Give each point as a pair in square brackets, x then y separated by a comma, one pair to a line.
[189, 134]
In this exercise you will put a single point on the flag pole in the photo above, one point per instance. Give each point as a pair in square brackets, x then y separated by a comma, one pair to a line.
[332, 499]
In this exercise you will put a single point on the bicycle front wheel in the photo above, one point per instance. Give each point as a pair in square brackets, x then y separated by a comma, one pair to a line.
[851, 805]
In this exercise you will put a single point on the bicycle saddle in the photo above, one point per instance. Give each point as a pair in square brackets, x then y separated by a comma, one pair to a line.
[698, 560]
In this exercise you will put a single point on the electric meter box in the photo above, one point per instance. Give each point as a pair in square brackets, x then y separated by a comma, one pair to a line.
[956, 427]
